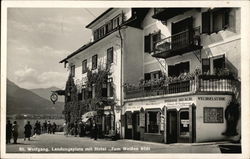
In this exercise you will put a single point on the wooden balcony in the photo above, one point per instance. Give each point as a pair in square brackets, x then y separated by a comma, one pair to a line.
[178, 44]
[166, 13]
[201, 83]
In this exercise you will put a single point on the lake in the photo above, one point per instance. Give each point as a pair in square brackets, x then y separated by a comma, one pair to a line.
[21, 123]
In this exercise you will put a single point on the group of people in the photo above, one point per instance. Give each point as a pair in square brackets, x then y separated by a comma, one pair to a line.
[12, 130]
[81, 129]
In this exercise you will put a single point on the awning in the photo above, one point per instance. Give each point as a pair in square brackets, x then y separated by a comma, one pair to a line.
[88, 115]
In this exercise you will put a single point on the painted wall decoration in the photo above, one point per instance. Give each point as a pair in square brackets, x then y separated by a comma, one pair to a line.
[213, 115]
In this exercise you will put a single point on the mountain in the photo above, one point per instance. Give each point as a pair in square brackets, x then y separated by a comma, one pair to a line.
[46, 92]
[23, 101]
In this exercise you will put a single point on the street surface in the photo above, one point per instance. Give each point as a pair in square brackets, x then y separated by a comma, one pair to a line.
[58, 143]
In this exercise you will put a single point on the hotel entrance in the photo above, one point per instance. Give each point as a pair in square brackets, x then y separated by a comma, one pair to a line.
[172, 126]
[180, 127]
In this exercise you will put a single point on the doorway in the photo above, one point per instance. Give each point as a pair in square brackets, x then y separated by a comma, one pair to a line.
[136, 127]
[172, 126]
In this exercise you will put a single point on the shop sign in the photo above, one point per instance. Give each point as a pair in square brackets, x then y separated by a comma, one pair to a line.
[213, 115]
[212, 98]
[142, 119]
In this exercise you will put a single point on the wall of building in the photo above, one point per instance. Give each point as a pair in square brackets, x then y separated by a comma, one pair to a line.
[100, 48]
[210, 131]
[133, 56]
[224, 42]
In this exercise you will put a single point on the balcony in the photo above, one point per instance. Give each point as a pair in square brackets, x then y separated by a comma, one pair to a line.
[178, 44]
[192, 84]
[166, 13]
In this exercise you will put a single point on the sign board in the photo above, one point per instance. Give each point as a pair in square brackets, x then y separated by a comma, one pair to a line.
[142, 119]
[185, 123]
[213, 115]
[162, 122]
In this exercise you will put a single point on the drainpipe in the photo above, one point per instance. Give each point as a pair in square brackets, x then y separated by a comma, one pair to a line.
[121, 79]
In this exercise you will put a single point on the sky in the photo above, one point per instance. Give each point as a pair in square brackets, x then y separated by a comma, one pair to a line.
[38, 38]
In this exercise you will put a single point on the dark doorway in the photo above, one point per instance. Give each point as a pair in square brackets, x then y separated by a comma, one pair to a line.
[136, 127]
[172, 126]
[128, 125]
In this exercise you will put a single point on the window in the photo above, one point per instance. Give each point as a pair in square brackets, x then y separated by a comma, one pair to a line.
[109, 27]
[94, 62]
[153, 75]
[110, 87]
[84, 66]
[110, 56]
[116, 21]
[215, 20]
[104, 90]
[79, 96]
[184, 123]
[206, 66]
[176, 70]
[84, 93]
[72, 70]
[150, 41]
[153, 121]
[218, 64]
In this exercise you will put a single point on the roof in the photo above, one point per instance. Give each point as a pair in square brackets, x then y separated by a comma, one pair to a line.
[134, 21]
[108, 10]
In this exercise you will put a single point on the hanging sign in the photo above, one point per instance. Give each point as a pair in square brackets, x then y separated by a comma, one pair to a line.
[54, 97]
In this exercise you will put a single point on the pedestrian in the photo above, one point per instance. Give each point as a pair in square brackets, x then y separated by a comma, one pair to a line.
[54, 128]
[75, 128]
[65, 128]
[15, 131]
[81, 129]
[8, 131]
[39, 128]
[36, 129]
[49, 127]
[45, 127]
[27, 131]
[94, 130]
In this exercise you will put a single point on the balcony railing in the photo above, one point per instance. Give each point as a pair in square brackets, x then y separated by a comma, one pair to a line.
[177, 44]
[201, 83]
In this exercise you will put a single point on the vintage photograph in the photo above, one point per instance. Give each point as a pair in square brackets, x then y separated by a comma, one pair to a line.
[123, 80]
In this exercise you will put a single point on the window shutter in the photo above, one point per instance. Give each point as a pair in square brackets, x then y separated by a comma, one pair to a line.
[147, 42]
[206, 22]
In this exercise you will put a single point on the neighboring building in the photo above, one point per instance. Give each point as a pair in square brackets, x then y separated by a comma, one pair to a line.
[175, 72]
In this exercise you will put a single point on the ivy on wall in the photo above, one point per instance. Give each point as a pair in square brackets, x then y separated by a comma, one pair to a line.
[75, 108]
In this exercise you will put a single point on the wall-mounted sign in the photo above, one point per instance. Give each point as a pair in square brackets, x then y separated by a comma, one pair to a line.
[142, 119]
[212, 98]
[213, 115]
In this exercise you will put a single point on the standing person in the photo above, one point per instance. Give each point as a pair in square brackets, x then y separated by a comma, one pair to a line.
[45, 127]
[8, 131]
[54, 127]
[95, 130]
[27, 131]
[49, 127]
[36, 129]
[15, 131]
[65, 128]
[80, 129]
[39, 128]
[75, 128]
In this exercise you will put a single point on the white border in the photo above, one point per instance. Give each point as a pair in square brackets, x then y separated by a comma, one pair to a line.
[245, 73]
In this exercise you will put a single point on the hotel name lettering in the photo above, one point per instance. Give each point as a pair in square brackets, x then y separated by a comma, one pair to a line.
[212, 98]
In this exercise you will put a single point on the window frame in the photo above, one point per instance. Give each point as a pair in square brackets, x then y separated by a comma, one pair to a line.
[110, 54]
[84, 66]
[94, 61]
[72, 70]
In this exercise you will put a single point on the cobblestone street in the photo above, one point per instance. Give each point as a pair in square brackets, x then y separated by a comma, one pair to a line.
[55, 143]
